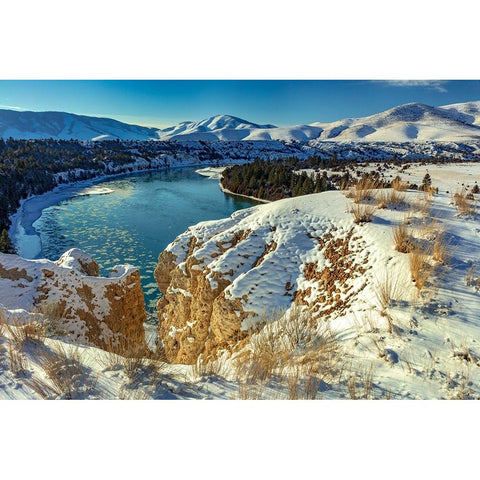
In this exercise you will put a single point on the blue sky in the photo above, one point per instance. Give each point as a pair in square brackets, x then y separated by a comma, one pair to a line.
[282, 102]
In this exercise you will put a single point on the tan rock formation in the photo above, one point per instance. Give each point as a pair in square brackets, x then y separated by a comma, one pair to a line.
[221, 279]
[104, 311]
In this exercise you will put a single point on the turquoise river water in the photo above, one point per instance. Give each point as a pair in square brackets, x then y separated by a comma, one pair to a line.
[133, 223]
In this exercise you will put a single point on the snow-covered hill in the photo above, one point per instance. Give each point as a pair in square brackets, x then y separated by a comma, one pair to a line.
[404, 123]
[66, 126]
[410, 122]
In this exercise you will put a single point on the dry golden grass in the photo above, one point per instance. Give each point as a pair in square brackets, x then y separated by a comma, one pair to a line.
[441, 251]
[399, 185]
[465, 204]
[52, 318]
[3, 323]
[126, 394]
[30, 333]
[388, 288]
[360, 385]
[420, 267]
[18, 361]
[292, 354]
[470, 276]
[209, 369]
[430, 229]
[382, 199]
[65, 375]
[363, 213]
[363, 189]
[402, 238]
[396, 198]
[421, 206]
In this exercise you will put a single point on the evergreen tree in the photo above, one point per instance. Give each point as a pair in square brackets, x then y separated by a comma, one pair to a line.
[426, 183]
[6, 245]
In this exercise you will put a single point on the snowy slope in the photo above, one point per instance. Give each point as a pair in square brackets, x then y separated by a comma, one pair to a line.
[65, 126]
[404, 123]
[469, 112]
[219, 127]
[409, 122]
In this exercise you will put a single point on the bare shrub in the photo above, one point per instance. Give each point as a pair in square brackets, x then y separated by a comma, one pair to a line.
[363, 213]
[402, 238]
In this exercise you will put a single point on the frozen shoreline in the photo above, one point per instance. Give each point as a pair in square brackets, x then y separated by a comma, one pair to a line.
[22, 229]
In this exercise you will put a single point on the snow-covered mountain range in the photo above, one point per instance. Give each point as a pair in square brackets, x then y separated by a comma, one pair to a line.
[66, 126]
[404, 123]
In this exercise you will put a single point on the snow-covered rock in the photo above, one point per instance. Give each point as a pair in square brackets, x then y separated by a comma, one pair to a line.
[220, 277]
[86, 308]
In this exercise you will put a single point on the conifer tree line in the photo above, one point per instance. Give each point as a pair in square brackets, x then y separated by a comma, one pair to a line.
[277, 179]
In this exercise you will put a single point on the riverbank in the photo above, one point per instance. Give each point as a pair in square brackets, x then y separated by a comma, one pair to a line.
[22, 229]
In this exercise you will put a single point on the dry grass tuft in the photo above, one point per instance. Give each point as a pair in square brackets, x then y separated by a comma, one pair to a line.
[66, 377]
[382, 199]
[441, 251]
[399, 185]
[421, 206]
[464, 203]
[28, 334]
[363, 190]
[360, 387]
[396, 198]
[420, 267]
[3, 323]
[363, 213]
[388, 288]
[209, 369]
[470, 276]
[18, 361]
[402, 238]
[52, 319]
[291, 353]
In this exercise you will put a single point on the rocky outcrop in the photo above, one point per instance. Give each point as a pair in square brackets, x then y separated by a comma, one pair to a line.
[104, 311]
[221, 279]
